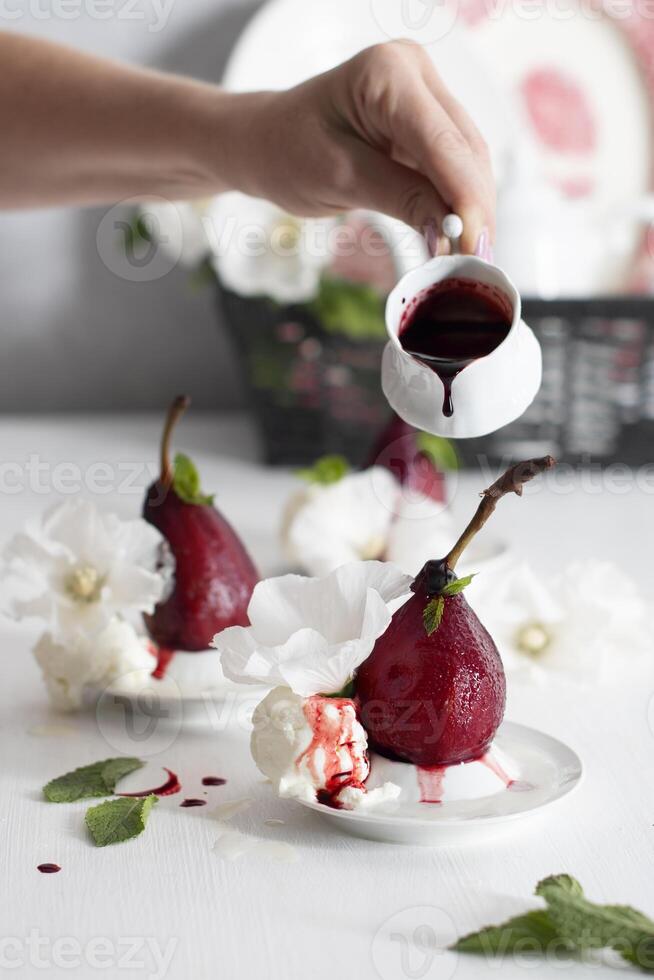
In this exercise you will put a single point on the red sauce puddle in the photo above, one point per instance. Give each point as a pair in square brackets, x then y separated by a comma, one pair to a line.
[164, 657]
[213, 781]
[48, 869]
[169, 788]
[192, 802]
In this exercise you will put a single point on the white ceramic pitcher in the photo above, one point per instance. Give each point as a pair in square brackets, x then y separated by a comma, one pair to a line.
[487, 394]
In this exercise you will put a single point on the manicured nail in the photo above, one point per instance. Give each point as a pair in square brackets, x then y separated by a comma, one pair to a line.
[432, 238]
[484, 248]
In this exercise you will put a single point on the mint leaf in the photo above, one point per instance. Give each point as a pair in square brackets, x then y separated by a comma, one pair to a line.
[98, 779]
[440, 451]
[117, 820]
[585, 925]
[529, 933]
[433, 614]
[326, 470]
[186, 482]
[458, 585]
[571, 922]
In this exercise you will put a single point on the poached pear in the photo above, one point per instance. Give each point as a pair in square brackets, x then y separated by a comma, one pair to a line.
[214, 575]
[414, 458]
[432, 692]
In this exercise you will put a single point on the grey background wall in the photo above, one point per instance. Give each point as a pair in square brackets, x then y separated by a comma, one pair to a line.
[74, 336]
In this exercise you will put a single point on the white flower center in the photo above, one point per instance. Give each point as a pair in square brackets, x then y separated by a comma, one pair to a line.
[373, 548]
[84, 584]
[533, 639]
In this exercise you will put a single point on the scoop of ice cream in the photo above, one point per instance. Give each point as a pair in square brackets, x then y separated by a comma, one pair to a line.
[312, 748]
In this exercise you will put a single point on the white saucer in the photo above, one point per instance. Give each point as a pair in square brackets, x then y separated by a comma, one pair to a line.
[190, 679]
[477, 805]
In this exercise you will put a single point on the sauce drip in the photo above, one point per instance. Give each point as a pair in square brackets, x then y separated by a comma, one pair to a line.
[164, 656]
[193, 802]
[213, 781]
[452, 324]
[430, 783]
[169, 788]
[48, 869]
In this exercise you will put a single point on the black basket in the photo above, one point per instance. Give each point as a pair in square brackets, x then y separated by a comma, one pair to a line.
[315, 392]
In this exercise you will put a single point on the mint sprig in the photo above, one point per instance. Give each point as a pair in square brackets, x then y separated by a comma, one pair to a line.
[186, 482]
[433, 612]
[97, 779]
[118, 820]
[570, 921]
[326, 470]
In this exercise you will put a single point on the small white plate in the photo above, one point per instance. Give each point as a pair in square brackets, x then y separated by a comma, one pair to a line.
[543, 771]
[190, 679]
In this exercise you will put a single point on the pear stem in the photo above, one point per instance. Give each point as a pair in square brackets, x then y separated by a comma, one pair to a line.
[511, 482]
[175, 412]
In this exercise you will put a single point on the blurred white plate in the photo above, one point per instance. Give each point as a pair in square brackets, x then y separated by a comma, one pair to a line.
[544, 769]
[288, 41]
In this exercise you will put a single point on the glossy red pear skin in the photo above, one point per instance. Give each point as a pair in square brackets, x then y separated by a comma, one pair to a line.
[214, 575]
[432, 700]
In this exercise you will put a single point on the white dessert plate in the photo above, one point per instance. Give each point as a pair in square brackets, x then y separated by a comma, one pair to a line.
[190, 679]
[527, 771]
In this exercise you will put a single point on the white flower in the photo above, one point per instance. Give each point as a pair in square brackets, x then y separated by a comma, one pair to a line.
[177, 226]
[77, 567]
[116, 653]
[259, 250]
[310, 634]
[589, 623]
[308, 745]
[325, 526]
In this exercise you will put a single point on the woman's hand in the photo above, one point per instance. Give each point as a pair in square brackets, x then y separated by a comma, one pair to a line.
[380, 131]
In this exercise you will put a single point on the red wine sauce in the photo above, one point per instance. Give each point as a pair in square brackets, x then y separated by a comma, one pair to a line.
[213, 781]
[193, 802]
[164, 656]
[452, 324]
[48, 869]
[430, 783]
[169, 788]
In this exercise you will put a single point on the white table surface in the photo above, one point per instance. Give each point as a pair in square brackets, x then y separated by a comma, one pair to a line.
[341, 908]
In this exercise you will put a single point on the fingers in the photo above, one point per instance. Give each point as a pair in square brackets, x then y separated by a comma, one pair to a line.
[443, 154]
[400, 101]
[381, 184]
[466, 126]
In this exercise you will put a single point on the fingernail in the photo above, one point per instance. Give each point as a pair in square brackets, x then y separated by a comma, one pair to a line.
[484, 248]
[432, 238]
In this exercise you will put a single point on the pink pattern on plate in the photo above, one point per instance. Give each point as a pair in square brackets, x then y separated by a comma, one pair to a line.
[475, 12]
[559, 111]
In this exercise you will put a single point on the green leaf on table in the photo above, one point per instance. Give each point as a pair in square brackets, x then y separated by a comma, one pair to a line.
[458, 585]
[326, 470]
[433, 613]
[98, 779]
[529, 933]
[586, 925]
[570, 921]
[440, 451]
[117, 820]
[186, 482]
